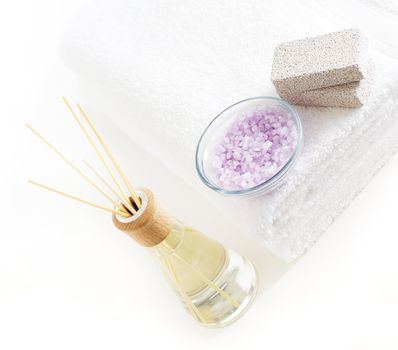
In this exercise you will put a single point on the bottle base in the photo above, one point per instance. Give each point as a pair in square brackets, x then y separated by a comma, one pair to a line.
[239, 280]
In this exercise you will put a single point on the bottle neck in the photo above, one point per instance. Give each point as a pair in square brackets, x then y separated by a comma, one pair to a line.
[173, 240]
[150, 225]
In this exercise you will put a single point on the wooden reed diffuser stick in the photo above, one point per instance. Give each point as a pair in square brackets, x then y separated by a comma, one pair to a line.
[73, 166]
[184, 296]
[111, 157]
[123, 197]
[78, 198]
[129, 206]
[207, 281]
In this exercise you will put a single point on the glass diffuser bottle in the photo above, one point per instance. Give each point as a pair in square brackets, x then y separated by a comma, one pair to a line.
[216, 284]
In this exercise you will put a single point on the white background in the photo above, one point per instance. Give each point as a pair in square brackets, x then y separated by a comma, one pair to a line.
[69, 280]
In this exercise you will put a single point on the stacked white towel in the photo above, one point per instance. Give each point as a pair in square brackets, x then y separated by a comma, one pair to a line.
[176, 63]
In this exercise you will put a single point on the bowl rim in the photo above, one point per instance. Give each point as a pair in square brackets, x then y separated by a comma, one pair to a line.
[275, 179]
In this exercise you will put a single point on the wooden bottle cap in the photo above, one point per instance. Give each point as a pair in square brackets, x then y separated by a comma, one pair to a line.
[150, 225]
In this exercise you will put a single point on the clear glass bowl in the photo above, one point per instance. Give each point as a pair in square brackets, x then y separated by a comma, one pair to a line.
[217, 129]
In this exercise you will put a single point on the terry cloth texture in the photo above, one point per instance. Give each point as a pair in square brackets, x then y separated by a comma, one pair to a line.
[173, 65]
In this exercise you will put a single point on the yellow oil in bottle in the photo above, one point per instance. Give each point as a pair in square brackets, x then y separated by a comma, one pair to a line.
[216, 284]
[202, 253]
[192, 260]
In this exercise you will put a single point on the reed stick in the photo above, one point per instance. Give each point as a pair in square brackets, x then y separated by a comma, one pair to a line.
[52, 189]
[99, 176]
[72, 165]
[183, 294]
[207, 281]
[129, 206]
[122, 196]
[111, 157]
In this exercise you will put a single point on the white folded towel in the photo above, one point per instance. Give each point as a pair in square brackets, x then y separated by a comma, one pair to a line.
[176, 64]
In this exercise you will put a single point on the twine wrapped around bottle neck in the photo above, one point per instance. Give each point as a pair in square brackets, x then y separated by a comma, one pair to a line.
[150, 225]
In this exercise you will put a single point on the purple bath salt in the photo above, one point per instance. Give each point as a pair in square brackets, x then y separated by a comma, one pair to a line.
[253, 148]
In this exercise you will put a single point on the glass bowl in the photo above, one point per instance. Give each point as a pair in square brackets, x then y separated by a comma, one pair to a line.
[234, 123]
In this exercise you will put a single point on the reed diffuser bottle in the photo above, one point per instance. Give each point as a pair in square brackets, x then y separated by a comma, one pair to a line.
[216, 284]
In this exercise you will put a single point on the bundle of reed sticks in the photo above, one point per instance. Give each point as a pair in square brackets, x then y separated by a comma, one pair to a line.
[123, 196]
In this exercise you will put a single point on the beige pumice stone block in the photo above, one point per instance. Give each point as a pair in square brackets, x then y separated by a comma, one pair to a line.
[326, 60]
[345, 95]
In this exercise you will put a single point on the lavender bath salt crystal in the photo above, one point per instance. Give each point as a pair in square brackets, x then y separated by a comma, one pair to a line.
[253, 148]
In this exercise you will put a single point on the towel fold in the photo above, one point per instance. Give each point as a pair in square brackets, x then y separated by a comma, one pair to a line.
[177, 63]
